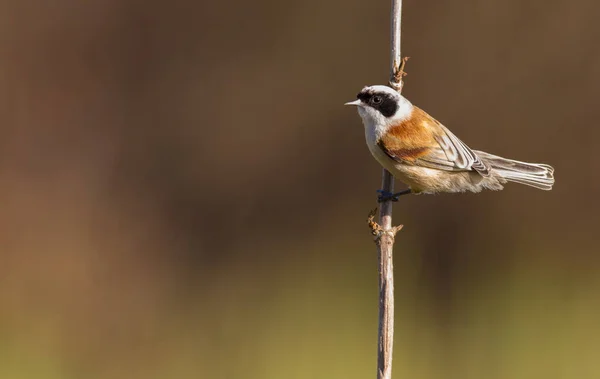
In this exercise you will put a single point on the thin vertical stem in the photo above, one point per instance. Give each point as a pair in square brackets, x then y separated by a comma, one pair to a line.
[386, 284]
[396, 56]
[385, 241]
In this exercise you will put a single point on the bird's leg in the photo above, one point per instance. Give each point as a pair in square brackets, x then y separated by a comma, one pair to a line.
[385, 195]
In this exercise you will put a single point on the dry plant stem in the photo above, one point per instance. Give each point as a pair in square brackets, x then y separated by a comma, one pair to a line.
[384, 232]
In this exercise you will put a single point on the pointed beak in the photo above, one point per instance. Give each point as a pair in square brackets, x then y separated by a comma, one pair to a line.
[355, 102]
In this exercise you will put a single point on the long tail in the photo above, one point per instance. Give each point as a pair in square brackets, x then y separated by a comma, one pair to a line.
[536, 175]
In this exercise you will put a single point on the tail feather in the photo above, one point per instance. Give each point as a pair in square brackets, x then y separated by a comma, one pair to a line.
[536, 175]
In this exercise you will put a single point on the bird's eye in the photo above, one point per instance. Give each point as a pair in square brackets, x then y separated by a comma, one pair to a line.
[376, 99]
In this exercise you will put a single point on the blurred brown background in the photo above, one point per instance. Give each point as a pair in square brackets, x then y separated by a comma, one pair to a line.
[184, 195]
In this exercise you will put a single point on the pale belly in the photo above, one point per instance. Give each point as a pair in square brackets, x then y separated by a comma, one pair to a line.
[430, 180]
[426, 180]
[419, 179]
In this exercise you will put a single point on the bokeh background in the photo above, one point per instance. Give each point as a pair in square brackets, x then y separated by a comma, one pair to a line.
[184, 195]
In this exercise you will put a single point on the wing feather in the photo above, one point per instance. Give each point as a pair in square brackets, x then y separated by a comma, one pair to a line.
[459, 153]
[444, 151]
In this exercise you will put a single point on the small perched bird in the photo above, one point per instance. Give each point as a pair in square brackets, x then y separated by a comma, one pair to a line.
[423, 153]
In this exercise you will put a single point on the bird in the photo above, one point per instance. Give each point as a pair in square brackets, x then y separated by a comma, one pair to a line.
[422, 153]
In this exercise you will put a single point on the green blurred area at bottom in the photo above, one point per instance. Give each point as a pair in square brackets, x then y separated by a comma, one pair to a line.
[313, 318]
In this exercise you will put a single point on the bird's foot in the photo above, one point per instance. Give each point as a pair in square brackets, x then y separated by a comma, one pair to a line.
[388, 196]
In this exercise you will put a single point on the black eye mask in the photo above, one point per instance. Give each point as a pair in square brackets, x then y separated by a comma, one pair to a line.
[387, 106]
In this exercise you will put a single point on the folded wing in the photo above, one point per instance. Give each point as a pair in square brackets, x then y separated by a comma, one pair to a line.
[421, 140]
